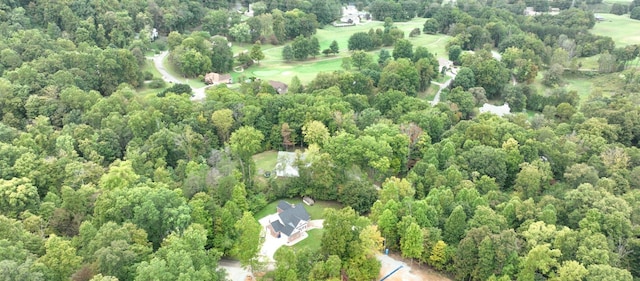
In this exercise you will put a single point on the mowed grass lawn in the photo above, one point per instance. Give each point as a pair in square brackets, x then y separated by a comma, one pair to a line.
[266, 161]
[312, 242]
[273, 67]
[623, 30]
[582, 85]
[315, 211]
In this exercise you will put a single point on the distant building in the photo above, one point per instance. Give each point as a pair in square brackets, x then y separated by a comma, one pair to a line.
[280, 87]
[351, 16]
[285, 164]
[530, 11]
[497, 110]
[216, 78]
[292, 221]
[154, 34]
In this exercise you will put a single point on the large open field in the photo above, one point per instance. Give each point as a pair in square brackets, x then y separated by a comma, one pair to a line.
[272, 67]
[623, 30]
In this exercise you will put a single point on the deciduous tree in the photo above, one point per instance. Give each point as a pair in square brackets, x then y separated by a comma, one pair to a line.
[256, 52]
[223, 121]
[249, 240]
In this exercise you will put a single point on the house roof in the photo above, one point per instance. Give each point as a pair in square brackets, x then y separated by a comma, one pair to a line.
[285, 164]
[290, 218]
[280, 87]
[284, 205]
[213, 77]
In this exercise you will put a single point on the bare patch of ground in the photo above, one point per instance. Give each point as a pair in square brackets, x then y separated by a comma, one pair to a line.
[408, 272]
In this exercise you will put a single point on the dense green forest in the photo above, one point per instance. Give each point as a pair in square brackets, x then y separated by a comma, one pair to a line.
[100, 182]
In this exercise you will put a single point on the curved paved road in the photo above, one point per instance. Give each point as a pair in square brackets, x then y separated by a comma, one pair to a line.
[198, 93]
[443, 63]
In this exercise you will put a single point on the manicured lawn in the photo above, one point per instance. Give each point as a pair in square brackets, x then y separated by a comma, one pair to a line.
[148, 66]
[617, 1]
[312, 242]
[583, 85]
[314, 211]
[272, 67]
[589, 62]
[305, 70]
[578, 83]
[266, 161]
[622, 29]
[148, 92]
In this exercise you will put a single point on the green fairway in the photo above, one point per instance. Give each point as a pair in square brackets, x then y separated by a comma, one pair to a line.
[272, 67]
[617, 1]
[315, 211]
[622, 29]
[312, 242]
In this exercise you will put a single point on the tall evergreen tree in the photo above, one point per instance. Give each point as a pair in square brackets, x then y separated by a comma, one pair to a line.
[455, 226]
[411, 242]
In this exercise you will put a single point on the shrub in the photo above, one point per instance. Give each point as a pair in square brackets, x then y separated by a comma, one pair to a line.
[147, 75]
[414, 32]
[176, 89]
[635, 13]
[156, 83]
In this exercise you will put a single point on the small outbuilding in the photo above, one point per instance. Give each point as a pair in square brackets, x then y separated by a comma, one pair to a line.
[280, 87]
[216, 78]
[286, 164]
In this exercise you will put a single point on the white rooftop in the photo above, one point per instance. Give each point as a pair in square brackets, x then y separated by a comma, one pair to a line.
[497, 110]
[285, 165]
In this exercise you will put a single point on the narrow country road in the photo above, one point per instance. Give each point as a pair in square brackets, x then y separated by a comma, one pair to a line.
[452, 71]
[198, 93]
[444, 85]
[166, 76]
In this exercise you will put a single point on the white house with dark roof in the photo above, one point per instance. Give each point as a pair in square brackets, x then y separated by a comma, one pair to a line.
[292, 221]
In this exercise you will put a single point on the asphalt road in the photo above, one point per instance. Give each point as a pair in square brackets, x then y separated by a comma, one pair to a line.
[198, 93]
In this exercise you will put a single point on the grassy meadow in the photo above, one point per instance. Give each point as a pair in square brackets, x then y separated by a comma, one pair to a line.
[622, 29]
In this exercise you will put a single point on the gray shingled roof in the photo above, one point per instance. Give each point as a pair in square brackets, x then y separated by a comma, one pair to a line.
[284, 205]
[289, 218]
